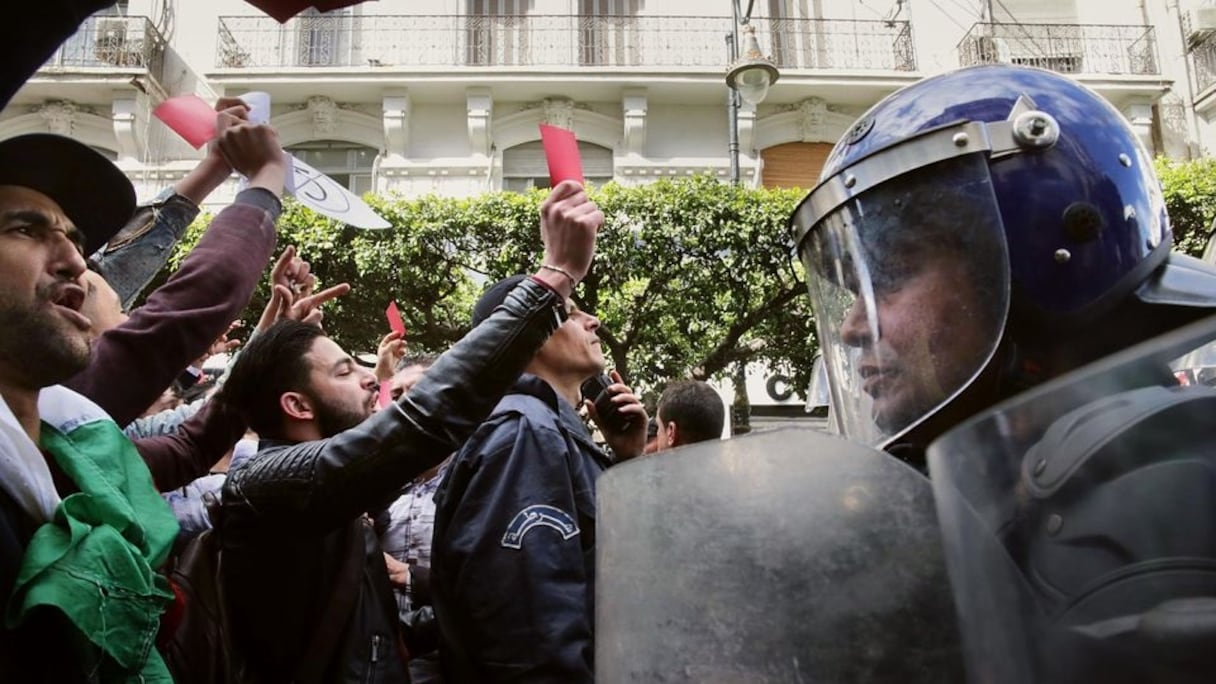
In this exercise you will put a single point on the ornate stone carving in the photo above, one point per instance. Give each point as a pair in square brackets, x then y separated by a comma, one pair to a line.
[324, 113]
[747, 129]
[60, 116]
[634, 112]
[559, 112]
[124, 118]
[812, 117]
[479, 106]
[396, 113]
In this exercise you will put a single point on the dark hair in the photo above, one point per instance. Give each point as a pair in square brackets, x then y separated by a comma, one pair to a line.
[270, 364]
[695, 407]
[424, 360]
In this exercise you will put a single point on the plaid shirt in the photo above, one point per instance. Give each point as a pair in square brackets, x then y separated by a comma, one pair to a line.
[410, 528]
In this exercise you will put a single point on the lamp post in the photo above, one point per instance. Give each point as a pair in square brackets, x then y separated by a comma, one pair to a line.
[749, 77]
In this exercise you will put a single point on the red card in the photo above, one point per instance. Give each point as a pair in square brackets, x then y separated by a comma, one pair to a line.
[394, 319]
[190, 117]
[386, 394]
[561, 151]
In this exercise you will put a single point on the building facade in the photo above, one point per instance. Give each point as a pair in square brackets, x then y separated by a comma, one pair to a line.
[444, 96]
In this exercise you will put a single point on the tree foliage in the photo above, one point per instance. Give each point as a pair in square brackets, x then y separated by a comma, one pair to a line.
[1190, 199]
[690, 275]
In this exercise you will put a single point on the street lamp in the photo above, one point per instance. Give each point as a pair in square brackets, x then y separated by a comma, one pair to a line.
[753, 73]
[749, 77]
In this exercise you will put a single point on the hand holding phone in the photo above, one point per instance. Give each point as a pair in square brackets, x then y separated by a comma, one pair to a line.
[596, 390]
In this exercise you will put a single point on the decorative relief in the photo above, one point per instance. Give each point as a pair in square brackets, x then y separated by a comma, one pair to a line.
[324, 113]
[479, 108]
[396, 113]
[60, 116]
[812, 117]
[559, 112]
[633, 109]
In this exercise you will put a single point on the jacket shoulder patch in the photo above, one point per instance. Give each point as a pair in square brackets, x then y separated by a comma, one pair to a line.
[538, 515]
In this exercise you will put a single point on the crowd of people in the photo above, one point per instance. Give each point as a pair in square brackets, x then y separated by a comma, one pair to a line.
[975, 236]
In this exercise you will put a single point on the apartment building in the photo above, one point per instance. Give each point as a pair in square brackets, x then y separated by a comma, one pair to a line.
[444, 96]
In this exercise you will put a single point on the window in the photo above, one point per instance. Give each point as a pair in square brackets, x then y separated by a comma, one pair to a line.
[350, 164]
[524, 167]
[325, 38]
[794, 165]
[496, 33]
[607, 32]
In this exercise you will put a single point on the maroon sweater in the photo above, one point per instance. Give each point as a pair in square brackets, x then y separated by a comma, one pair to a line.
[132, 364]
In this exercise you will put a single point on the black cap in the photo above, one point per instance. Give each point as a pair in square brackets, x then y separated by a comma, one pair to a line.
[492, 297]
[90, 190]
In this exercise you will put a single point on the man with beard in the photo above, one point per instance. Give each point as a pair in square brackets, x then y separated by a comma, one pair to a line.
[82, 529]
[304, 578]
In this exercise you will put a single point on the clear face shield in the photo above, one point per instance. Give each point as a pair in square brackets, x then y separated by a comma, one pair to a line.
[909, 280]
[1076, 522]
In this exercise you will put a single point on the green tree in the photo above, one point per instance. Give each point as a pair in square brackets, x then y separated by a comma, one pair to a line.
[690, 275]
[1190, 199]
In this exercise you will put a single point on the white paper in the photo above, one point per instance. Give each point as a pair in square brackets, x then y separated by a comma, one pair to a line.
[312, 188]
[326, 196]
[259, 106]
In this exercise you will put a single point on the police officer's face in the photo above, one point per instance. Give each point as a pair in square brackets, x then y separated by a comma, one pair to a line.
[928, 344]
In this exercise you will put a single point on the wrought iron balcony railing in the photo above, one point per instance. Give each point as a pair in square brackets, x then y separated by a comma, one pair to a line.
[1067, 48]
[1203, 56]
[552, 41]
[111, 42]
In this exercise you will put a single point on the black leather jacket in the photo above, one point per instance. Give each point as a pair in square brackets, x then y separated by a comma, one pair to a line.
[288, 513]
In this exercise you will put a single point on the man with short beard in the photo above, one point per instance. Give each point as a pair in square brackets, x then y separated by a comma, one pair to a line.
[304, 578]
[82, 529]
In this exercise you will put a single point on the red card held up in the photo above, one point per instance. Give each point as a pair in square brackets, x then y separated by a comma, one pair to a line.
[561, 151]
[190, 117]
[394, 319]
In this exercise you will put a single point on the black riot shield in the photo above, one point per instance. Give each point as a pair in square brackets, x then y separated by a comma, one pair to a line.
[786, 556]
[1078, 523]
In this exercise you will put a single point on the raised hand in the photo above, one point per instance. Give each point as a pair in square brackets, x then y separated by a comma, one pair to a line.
[569, 222]
[252, 150]
[631, 442]
[390, 350]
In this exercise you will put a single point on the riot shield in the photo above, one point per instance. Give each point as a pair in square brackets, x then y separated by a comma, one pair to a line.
[784, 556]
[1078, 524]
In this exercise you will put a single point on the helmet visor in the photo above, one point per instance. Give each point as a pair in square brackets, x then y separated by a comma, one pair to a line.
[910, 285]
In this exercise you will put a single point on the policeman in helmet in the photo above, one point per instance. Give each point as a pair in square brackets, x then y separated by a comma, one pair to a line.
[976, 235]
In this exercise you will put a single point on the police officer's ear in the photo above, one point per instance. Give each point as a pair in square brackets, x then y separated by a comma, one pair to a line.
[296, 406]
[672, 429]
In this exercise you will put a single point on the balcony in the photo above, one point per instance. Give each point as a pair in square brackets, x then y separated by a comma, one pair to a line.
[1075, 49]
[108, 43]
[1204, 56]
[671, 43]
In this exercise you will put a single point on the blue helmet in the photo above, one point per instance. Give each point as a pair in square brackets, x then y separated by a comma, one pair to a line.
[988, 207]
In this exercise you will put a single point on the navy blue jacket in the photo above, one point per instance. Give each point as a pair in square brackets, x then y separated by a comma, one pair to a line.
[513, 562]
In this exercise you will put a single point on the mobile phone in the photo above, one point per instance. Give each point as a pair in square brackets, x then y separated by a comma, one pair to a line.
[596, 390]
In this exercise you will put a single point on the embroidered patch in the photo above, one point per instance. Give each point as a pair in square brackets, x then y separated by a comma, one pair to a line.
[534, 516]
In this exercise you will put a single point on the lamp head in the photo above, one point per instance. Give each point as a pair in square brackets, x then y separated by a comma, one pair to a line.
[753, 73]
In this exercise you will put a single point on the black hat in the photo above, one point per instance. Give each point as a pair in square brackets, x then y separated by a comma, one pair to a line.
[90, 190]
[494, 296]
